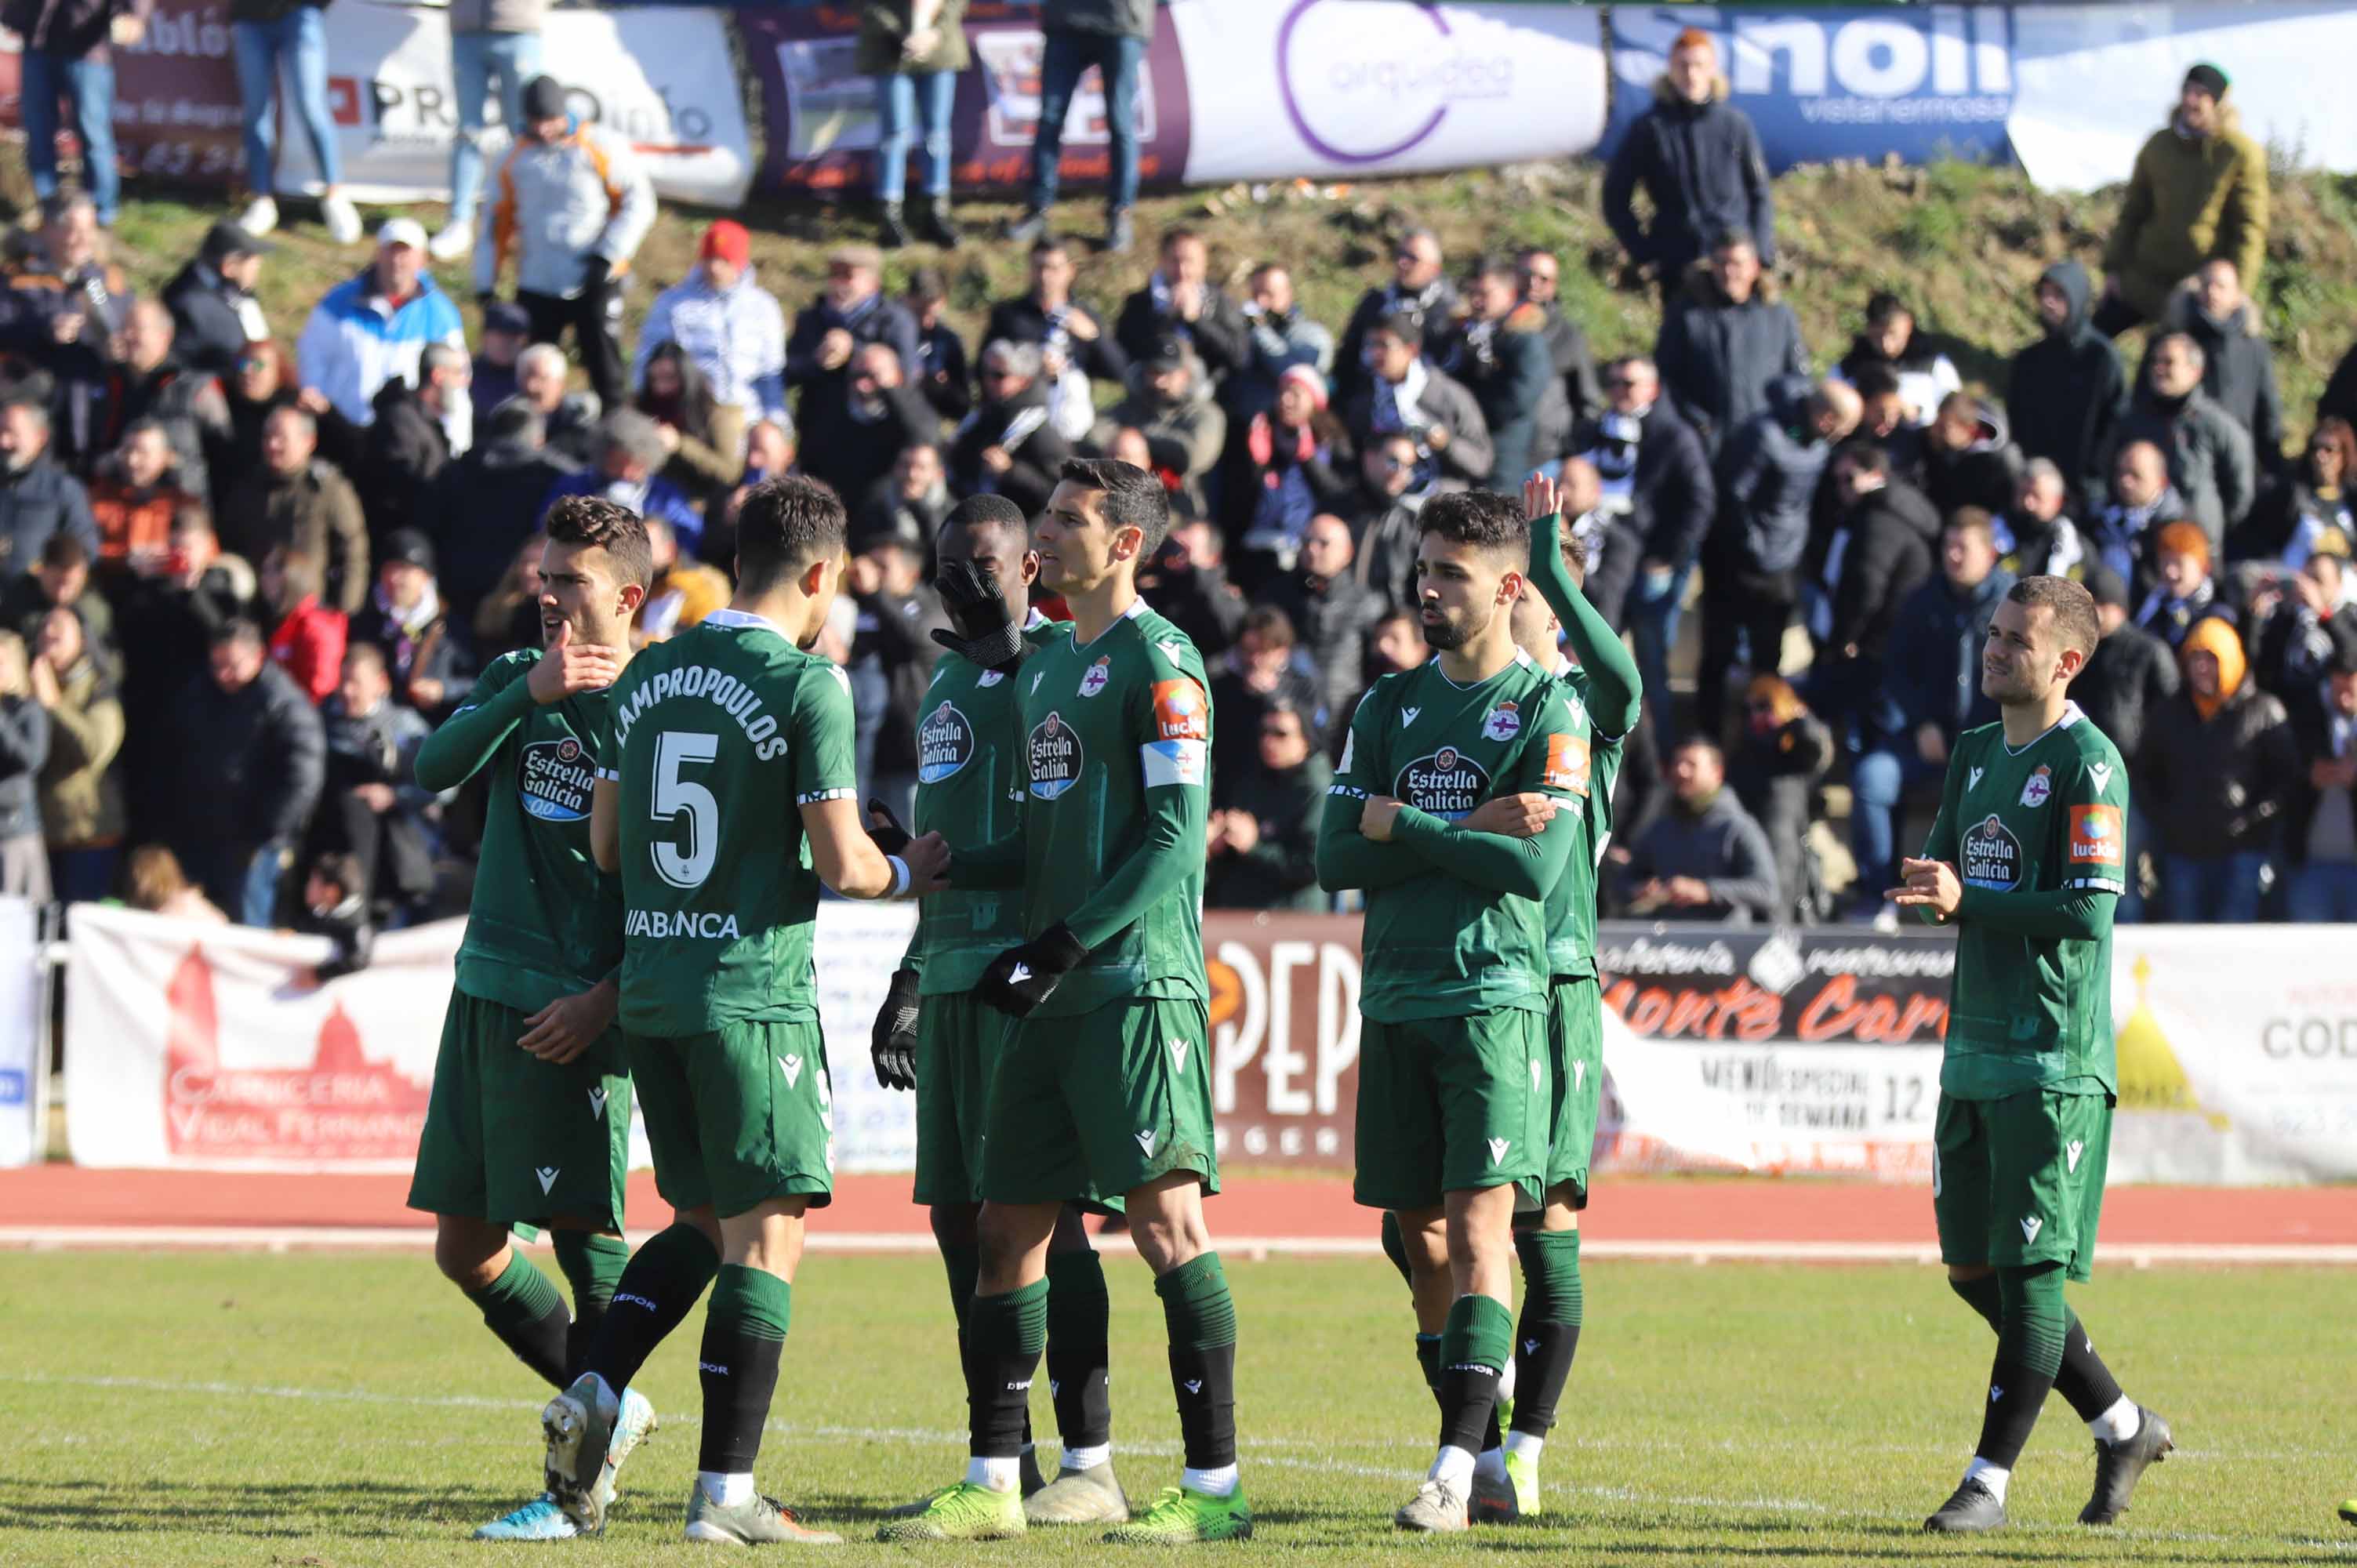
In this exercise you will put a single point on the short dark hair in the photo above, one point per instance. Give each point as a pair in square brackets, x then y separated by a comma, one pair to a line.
[1481, 518]
[2073, 608]
[1875, 379]
[64, 551]
[343, 869]
[1133, 497]
[1700, 743]
[1883, 307]
[1268, 623]
[1865, 454]
[236, 629]
[784, 525]
[1406, 326]
[987, 512]
[1177, 234]
[610, 526]
[1487, 267]
[369, 654]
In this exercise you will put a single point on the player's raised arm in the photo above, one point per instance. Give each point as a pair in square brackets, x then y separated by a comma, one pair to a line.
[1616, 693]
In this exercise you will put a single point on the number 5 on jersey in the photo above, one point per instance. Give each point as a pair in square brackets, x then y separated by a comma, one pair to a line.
[676, 797]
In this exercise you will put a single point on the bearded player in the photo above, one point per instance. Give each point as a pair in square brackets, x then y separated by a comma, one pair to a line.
[935, 1035]
[530, 1119]
[1454, 1108]
[2026, 859]
[1102, 1094]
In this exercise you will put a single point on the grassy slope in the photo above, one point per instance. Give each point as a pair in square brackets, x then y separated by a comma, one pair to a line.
[1963, 242]
[339, 1411]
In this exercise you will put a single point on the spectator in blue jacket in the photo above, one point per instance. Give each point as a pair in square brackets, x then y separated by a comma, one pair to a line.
[630, 454]
[38, 498]
[373, 327]
[1697, 158]
[1933, 692]
[1726, 340]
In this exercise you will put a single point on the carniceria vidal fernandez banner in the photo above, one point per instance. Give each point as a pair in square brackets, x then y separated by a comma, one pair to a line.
[1824, 82]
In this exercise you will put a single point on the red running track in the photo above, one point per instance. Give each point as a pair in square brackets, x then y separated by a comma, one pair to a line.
[1648, 1210]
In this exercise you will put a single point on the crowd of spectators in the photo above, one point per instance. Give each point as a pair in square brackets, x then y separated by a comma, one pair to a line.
[240, 583]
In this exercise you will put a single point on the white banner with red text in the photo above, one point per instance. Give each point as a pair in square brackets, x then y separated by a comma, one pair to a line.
[24, 1068]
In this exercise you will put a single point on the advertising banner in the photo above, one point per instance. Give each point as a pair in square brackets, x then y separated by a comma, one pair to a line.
[176, 99]
[1279, 89]
[823, 127]
[1839, 82]
[23, 1070]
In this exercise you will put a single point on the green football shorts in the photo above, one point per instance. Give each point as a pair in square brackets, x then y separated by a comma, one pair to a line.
[1087, 1109]
[1451, 1105]
[738, 1115]
[514, 1140]
[958, 1044]
[1574, 1035]
[2021, 1180]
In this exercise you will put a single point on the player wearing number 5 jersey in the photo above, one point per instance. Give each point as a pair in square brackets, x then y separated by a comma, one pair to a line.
[530, 1119]
[2026, 859]
[1103, 1092]
[728, 800]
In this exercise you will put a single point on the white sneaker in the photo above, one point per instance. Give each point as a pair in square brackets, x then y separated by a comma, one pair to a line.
[451, 243]
[343, 219]
[260, 216]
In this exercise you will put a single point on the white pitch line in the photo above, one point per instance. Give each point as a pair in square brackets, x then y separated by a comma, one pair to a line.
[396, 1238]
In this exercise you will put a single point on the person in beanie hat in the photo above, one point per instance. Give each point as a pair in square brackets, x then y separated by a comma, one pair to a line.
[1279, 474]
[2199, 193]
[570, 206]
[733, 329]
[407, 621]
[214, 312]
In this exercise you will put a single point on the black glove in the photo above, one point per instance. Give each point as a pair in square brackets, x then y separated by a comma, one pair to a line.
[593, 273]
[986, 632]
[893, 1045]
[886, 828]
[1021, 978]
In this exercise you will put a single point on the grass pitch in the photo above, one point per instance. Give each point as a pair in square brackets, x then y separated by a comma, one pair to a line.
[328, 1412]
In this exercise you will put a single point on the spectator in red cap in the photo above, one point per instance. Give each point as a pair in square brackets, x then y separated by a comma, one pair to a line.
[1697, 158]
[733, 330]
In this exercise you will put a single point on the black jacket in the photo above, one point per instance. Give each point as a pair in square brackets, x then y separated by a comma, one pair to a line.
[1986, 474]
[882, 320]
[2221, 785]
[1582, 389]
[1332, 618]
[2312, 716]
[1664, 476]
[209, 330]
[2066, 393]
[479, 511]
[943, 373]
[851, 452]
[435, 653]
[1019, 426]
[2238, 369]
[190, 407]
[2127, 678]
[1701, 165]
[1892, 544]
[1775, 775]
[1717, 359]
[1721, 846]
[1767, 478]
[37, 501]
[1020, 321]
[402, 452]
[895, 640]
[1221, 336]
[252, 761]
[1194, 596]
[1511, 371]
[1235, 744]
[1435, 310]
[1281, 871]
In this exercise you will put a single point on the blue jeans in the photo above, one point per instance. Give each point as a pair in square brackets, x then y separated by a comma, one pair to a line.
[300, 37]
[1879, 782]
[2322, 891]
[901, 99]
[476, 59]
[256, 900]
[2221, 890]
[1652, 620]
[1067, 55]
[89, 84]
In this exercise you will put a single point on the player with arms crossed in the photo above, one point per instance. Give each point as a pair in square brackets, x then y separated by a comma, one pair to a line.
[2026, 859]
[1453, 1102]
[933, 1036]
[530, 1119]
[1104, 1093]
[729, 797]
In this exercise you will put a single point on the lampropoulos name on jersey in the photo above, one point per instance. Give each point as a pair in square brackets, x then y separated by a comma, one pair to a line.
[1447, 784]
[556, 780]
[1054, 755]
[944, 744]
[731, 694]
[666, 924]
[1992, 855]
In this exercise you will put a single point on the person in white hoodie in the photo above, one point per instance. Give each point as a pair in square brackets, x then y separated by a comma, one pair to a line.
[731, 327]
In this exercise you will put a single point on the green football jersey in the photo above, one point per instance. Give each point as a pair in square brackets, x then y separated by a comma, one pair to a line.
[721, 735]
[2029, 1012]
[544, 922]
[1437, 946]
[1116, 781]
[970, 780]
[1571, 907]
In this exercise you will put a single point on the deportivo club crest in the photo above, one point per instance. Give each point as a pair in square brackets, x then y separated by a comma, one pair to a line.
[2040, 785]
[944, 744]
[1098, 674]
[1054, 754]
[1503, 724]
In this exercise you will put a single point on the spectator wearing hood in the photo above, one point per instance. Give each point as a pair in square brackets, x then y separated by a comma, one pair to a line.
[1008, 445]
[298, 499]
[308, 636]
[1420, 295]
[415, 433]
[406, 620]
[478, 511]
[1726, 339]
[1752, 560]
[1179, 299]
[1383, 513]
[2219, 771]
[1170, 404]
[731, 330]
[856, 442]
[705, 462]
[1538, 275]
[1404, 393]
[2067, 390]
[630, 457]
[212, 301]
[2238, 367]
[134, 498]
[1926, 376]
[2312, 512]
[2184, 595]
[373, 327]
[1968, 458]
[2210, 461]
[2198, 191]
[38, 498]
[507, 333]
[1278, 474]
[1283, 339]
[1330, 609]
[1933, 687]
[2035, 536]
[2321, 819]
[2142, 503]
[1502, 357]
[570, 206]
[1697, 159]
[1701, 857]
[1885, 535]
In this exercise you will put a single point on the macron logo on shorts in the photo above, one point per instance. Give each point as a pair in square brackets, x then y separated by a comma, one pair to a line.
[1194, 1385]
[1996, 1393]
[2071, 1151]
[1178, 1055]
[1579, 1075]
[1145, 1141]
[1019, 974]
[597, 1103]
[1497, 1147]
[2030, 1228]
[547, 1174]
[1534, 1075]
[792, 1067]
